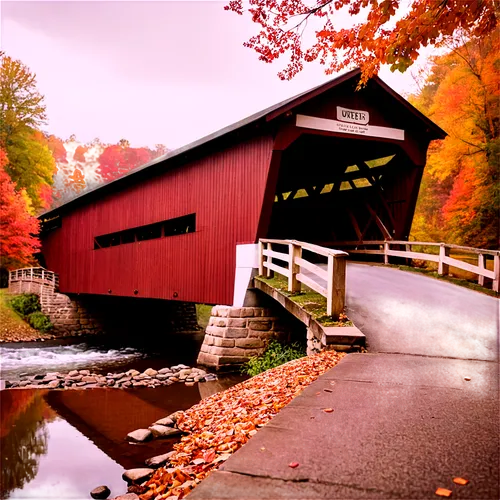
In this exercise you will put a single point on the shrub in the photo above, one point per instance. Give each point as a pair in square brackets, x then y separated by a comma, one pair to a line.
[39, 322]
[25, 304]
[275, 355]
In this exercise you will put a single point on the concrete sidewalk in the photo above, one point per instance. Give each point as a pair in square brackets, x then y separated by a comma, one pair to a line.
[402, 427]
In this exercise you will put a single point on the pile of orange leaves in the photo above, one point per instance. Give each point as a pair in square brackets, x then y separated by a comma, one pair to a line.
[222, 423]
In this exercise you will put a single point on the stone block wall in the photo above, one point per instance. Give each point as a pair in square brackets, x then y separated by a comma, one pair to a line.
[235, 334]
[69, 316]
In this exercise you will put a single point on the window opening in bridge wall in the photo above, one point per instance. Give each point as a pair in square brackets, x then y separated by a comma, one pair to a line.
[170, 227]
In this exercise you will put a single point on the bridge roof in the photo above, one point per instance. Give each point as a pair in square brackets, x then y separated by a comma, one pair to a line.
[265, 116]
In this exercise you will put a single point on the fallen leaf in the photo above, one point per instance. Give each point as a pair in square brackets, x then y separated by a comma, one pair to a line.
[318, 394]
[209, 455]
[443, 492]
[198, 461]
[460, 480]
[293, 465]
[328, 410]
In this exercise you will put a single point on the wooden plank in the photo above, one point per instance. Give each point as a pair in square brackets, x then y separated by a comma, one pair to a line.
[425, 243]
[278, 242]
[368, 252]
[474, 250]
[261, 258]
[336, 286]
[312, 284]
[460, 264]
[413, 255]
[480, 263]
[295, 253]
[316, 270]
[276, 255]
[379, 222]
[496, 272]
[273, 267]
[443, 268]
[318, 249]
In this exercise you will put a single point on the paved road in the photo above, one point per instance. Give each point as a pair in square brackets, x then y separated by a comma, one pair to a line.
[406, 420]
[404, 312]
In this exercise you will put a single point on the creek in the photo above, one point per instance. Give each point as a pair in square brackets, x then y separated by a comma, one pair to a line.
[63, 443]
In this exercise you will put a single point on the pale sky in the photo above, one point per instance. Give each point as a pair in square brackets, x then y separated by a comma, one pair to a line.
[164, 72]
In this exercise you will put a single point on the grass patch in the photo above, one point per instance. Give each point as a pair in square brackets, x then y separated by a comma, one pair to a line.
[276, 354]
[456, 281]
[12, 327]
[203, 312]
[309, 300]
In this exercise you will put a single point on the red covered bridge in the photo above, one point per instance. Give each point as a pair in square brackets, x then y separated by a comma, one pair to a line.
[331, 164]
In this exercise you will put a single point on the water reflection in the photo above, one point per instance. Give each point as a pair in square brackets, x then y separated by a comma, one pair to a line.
[62, 444]
[23, 437]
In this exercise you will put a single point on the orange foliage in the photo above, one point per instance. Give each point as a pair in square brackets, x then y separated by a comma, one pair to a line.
[17, 226]
[385, 32]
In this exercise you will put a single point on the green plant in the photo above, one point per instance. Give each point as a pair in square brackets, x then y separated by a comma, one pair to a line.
[25, 304]
[40, 322]
[275, 355]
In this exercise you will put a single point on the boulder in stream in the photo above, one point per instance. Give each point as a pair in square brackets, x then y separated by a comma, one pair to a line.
[100, 492]
[137, 475]
[163, 432]
[140, 435]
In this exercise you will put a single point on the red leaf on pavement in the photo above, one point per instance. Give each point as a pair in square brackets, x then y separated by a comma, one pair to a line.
[209, 456]
[293, 465]
[328, 410]
[460, 480]
[443, 492]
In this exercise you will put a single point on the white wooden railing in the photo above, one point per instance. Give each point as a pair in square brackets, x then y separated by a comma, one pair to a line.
[333, 275]
[442, 258]
[31, 279]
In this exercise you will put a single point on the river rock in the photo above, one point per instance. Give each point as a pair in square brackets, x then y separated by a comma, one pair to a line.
[127, 496]
[132, 373]
[150, 372]
[165, 370]
[163, 432]
[139, 384]
[174, 379]
[175, 416]
[137, 475]
[140, 435]
[166, 421]
[100, 492]
[159, 460]
[189, 384]
[89, 380]
[74, 373]
[76, 378]
[117, 376]
[126, 385]
[123, 380]
[54, 384]
[85, 373]
[111, 382]
[49, 377]
[162, 376]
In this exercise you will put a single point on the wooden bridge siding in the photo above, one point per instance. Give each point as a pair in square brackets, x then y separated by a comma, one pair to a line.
[225, 190]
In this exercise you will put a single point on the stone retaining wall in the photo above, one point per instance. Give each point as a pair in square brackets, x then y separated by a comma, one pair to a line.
[235, 334]
[69, 316]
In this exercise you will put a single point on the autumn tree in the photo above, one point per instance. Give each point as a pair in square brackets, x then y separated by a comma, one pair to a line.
[18, 228]
[460, 194]
[120, 159]
[22, 113]
[380, 32]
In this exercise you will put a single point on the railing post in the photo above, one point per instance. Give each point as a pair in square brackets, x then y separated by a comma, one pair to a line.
[269, 272]
[444, 251]
[386, 252]
[496, 271]
[294, 252]
[480, 263]
[335, 300]
[261, 258]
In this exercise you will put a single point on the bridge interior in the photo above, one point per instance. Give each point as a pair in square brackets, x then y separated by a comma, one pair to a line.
[344, 189]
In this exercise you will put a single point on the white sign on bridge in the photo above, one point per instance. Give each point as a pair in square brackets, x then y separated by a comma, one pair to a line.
[345, 127]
